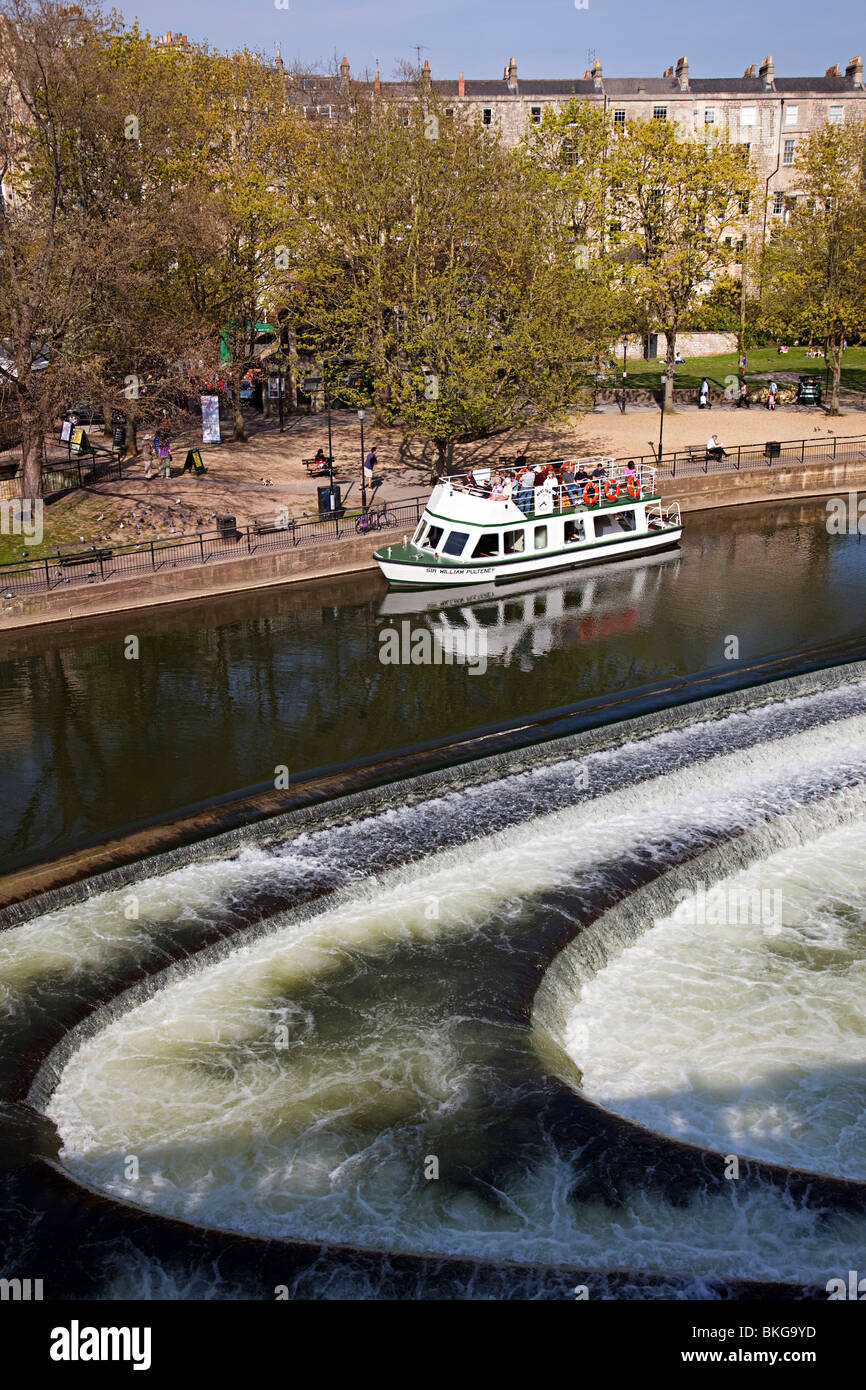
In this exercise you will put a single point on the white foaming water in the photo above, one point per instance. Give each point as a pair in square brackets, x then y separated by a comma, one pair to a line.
[292, 1089]
[118, 927]
[748, 1036]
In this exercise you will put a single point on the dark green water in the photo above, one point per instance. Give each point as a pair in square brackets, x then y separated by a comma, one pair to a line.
[226, 690]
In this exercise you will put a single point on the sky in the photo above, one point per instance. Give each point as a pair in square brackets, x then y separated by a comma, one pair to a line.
[549, 38]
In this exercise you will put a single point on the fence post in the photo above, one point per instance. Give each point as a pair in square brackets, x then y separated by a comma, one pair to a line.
[78, 466]
[803, 451]
[674, 468]
[739, 446]
[47, 576]
[249, 543]
[99, 556]
[152, 557]
[834, 446]
[201, 545]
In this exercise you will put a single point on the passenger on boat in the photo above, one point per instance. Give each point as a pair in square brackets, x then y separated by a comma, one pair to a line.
[581, 475]
[599, 471]
[629, 471]
[566, 479]
[526, 483]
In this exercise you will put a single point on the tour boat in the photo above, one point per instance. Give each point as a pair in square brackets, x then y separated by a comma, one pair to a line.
[467, 536]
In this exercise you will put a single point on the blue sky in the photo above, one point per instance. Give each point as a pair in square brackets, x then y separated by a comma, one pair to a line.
[550, 38]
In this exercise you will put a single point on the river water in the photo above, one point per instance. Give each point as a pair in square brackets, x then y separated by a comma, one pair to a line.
[476, 1016]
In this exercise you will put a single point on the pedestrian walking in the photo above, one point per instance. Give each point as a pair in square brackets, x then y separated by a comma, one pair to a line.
[771, 396]
[165, 456]
[744, 396]
[704, 396]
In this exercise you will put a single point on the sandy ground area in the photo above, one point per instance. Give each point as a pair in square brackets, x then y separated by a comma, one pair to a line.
[137, 509]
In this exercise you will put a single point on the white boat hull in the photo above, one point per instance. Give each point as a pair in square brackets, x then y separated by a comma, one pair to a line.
[409, 574]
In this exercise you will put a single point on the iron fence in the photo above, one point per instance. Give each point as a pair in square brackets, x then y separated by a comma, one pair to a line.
[99, 563]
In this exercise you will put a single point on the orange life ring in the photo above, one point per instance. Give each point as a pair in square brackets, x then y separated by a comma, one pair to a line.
[590, 488]
[611, 489]
[633, 486]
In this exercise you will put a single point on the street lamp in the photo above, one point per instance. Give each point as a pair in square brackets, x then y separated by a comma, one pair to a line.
[662, 416]
[361, 417]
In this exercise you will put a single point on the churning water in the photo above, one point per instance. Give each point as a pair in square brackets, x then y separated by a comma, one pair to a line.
[353, 1063]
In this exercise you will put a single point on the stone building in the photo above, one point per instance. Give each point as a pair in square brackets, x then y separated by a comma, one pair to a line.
[769, 114]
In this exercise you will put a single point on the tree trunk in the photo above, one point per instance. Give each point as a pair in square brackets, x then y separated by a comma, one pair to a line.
[107, 420]
[834, 347]
[131, 449]
[237, 411]
[32, 455]
[444, 455]
[670, 362]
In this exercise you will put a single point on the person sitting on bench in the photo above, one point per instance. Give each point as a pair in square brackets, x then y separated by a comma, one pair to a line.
[714, 449]
[320, 461]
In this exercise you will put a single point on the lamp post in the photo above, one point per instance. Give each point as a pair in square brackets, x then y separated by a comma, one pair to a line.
[664, 383]
[361, 416]
[624, 351]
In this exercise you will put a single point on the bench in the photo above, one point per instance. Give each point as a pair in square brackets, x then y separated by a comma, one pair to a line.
[314, 468]
[87, 557]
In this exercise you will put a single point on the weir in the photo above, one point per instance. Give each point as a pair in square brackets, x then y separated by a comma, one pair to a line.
[522, 856]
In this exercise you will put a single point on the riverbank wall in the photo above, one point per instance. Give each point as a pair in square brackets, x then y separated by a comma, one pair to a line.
[781, 482]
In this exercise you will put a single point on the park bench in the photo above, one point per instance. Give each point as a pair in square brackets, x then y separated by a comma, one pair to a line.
[87, 557]
[314, 468]
[268, 528]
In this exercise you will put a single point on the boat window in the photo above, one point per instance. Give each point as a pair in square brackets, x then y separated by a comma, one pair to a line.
[455, 543]
[487, 544]
[433, 537]
[575, 531]
[541, 538]
[607, 525]
[515, 542]
[513, 612]
[416, 539]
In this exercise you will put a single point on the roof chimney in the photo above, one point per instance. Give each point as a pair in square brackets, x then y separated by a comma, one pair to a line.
[461, 86]
[767, 74]
[668, 72]
[683, 74]
[510, 74]
[587, 76]
[854, 72]
[425, 71]
[750, 70]
[377, 82]
[596, 75]
[344, 68]
[835, 71]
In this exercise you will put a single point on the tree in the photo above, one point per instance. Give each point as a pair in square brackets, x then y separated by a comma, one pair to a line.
[814, 269]
[673, 206]
[237, 257]
[50, 237]
[434, 259]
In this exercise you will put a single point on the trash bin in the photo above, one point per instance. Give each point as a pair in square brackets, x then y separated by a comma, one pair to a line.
[329, 501]
[227, 527]
[773, 449]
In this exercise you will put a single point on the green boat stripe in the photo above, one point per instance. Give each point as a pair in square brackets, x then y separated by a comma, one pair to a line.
[516, 559]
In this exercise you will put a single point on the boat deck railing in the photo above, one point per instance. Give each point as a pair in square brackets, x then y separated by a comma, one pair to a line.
[606, 482]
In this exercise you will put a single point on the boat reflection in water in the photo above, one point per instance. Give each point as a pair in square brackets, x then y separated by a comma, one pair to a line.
[534, 617]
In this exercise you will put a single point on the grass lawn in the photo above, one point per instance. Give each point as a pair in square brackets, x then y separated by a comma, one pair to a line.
[763, 364]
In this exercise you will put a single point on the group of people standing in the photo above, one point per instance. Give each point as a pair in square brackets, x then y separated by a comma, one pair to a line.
[521, 481]
[704, 402]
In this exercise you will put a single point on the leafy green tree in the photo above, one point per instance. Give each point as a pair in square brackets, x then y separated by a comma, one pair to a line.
[673, 209]
[814, 269]
[434, 258]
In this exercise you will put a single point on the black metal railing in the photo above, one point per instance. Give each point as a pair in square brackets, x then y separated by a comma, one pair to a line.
[97, 563]
[89, 566]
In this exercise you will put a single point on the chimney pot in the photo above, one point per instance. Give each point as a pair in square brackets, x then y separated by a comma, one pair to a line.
[683, 74]
[834, 71]
[596, 75]
[854, 72]
[750, 70]
[461, 86]
[767, 73]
